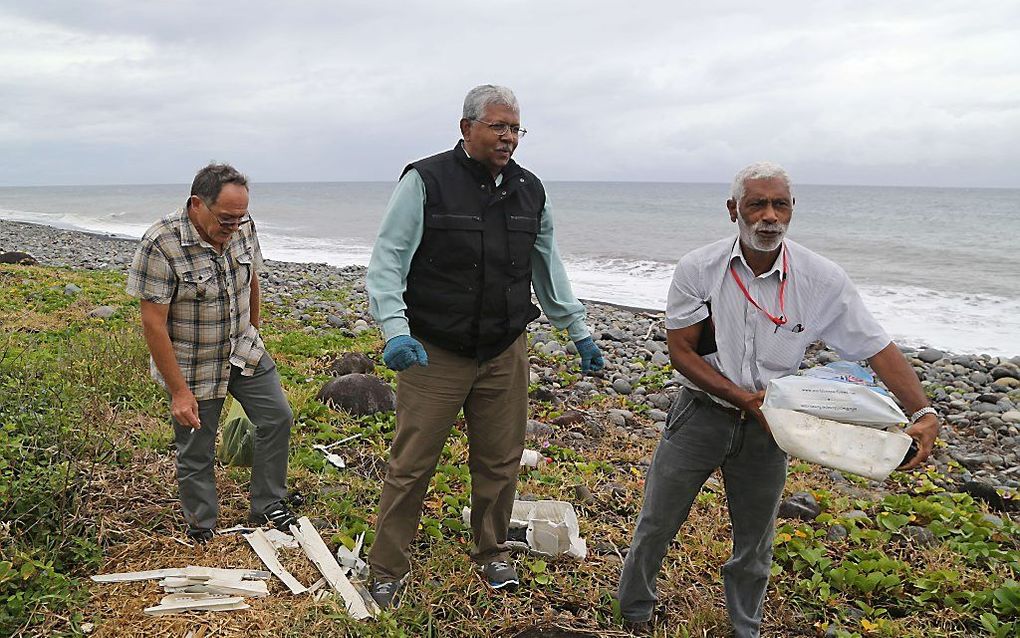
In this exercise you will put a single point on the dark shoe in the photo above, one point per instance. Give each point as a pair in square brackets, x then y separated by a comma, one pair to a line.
[385, 594]
[279, 516]
[639, 627]
[200, 535]
[500, 575]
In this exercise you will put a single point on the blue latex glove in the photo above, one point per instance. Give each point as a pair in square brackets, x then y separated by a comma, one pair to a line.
[402, 352]
[591, 356]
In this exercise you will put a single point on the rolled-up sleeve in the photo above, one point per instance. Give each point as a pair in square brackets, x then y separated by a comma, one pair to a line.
[399, 237]
[847, 325]
[150, 276]
[685, 302]
[551, 284]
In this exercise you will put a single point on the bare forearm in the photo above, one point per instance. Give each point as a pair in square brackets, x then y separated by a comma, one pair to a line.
[892, 368]
[158, 340]
[254, 309]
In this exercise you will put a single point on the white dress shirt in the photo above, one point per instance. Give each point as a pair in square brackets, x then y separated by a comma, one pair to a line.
[821, 303]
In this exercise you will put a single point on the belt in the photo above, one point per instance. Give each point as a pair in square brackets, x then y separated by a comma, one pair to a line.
[706, 400]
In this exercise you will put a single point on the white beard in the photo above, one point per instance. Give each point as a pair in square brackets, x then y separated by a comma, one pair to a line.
[749, 235]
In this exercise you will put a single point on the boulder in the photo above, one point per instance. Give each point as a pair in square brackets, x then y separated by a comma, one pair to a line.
[103, 312]
[14, 257]
[351, 363]
[919, 536]
[359, 394]
[570, 417]
[930, 355]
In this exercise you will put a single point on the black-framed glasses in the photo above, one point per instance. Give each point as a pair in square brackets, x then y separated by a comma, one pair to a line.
[502, 128]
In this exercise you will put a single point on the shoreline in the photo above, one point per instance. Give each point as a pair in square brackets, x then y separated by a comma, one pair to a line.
[977, 396]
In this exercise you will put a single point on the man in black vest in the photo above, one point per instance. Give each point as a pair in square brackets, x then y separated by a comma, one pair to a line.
[466, 235]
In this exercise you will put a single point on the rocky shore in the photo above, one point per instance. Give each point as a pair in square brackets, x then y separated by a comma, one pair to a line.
[977, 396]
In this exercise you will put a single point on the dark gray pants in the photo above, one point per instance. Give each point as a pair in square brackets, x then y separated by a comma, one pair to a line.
[699, 437]
[262, 398]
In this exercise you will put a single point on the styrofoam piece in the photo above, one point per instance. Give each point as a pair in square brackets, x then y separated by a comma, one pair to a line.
[532, 458]
[250, 588]
[127, 577]
[314, 547]
[552, 527]
[181, 572]
[350, 560]
[852, 448]
[200, 572]
[265, 550]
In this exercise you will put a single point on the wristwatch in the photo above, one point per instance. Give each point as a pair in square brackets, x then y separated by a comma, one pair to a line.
[916, 416]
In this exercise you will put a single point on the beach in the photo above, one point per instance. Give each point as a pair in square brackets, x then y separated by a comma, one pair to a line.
[977, 396]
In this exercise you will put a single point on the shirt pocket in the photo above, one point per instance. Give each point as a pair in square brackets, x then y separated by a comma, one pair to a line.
[244, 270]
[782, 350]
[195, 285]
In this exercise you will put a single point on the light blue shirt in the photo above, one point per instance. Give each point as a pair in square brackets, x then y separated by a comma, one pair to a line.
[399, 237]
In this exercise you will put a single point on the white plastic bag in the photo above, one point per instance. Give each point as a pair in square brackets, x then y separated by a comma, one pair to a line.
[833, 400]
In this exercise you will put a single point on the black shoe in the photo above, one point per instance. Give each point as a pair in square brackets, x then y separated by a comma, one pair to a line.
[200, 535]
[385, 594]
[639, 627]
[279, 516]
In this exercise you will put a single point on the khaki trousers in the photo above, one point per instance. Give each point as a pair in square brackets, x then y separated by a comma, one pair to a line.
[494, 396]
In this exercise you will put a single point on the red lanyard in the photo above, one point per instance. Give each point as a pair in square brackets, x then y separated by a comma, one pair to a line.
[781, 319]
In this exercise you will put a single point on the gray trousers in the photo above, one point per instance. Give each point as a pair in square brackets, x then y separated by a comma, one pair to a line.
[262, 398]
[699, 437]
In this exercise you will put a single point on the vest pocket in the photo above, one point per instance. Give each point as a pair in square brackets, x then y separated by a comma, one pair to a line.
[454, 221]
[521, 234]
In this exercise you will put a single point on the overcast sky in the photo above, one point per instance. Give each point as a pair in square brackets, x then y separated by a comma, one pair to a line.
[853, 92]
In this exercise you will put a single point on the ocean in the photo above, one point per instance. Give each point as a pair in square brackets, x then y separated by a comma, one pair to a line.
[937, 266]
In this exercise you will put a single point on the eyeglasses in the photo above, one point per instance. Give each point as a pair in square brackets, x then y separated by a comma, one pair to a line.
[227, 221]
[502, 128]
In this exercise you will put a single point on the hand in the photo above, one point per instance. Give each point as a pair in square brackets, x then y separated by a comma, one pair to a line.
[925, 431]
[752, 405]
[184, 409]
[591, 356]
[402, 352]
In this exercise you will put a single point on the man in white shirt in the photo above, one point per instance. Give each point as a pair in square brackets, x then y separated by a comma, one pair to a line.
[742, 311]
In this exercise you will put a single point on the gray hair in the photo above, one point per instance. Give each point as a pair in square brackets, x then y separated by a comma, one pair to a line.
[485, 95]
[758, 170]
[210, 181]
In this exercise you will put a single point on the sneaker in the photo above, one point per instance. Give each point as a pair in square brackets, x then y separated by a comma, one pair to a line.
[278, 516]
[500, 575]
[385, 593]
[200, 535]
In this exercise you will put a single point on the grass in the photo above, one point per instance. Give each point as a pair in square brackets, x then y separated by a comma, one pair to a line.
[87, 485]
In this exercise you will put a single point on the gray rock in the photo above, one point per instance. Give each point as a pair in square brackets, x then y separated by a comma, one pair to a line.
[836, 533]
[622, 386]
[584, 495]
[930, 355]
[660, 401]
[360, 326]
[919, 536]
[335, 321]
[615, 334]
[20, 258]
[351, 363]
[992, 520]
[1005, 370]
[657, 415]
[854, 515]
[1012, 416]
[103, 312]
[620, 417]
[538, 429]
[71, 289]
[980, 407]
[979, 378]
[660, 359]
[585, 387]
[801, 505]
[359, 394]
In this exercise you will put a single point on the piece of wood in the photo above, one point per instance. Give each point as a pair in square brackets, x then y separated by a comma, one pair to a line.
[323, 559]
[198, 572]
[252, 588]
[265, 550]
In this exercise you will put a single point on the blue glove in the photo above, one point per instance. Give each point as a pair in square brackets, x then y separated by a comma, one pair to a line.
[402, 352]
[591, 356]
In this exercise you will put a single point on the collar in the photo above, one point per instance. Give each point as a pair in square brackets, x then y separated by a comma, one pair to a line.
[190, 235]
[478, 165]
[777, 265]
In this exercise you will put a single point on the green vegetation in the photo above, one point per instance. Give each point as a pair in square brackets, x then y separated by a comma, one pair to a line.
[86, 485]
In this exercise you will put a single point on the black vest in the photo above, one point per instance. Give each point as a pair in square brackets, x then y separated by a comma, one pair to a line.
[469, 285]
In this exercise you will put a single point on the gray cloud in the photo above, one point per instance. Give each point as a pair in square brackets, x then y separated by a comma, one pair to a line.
[841, 92]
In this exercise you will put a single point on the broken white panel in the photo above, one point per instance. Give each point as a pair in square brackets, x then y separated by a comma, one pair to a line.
[333, 459]
[551, 527]
[199, 572]
[249, 588]
[349, 558]
[177, 603]
[127, 577]
[280, 540]
[265, 550]
[319, 554]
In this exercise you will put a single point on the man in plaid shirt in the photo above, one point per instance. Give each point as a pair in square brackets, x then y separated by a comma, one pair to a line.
[196, 273]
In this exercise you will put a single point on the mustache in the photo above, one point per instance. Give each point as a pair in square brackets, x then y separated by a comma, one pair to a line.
[778, 226]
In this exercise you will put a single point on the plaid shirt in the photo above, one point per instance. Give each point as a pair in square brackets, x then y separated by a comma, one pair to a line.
[209, 320]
